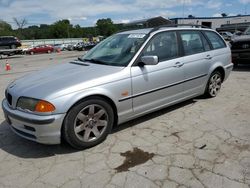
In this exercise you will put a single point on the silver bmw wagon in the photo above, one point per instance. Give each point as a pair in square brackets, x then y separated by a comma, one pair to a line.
[127, 75]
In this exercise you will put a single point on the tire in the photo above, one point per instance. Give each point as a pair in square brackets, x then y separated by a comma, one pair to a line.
[31, 53]
[49, 51]
[214, 84]
[88, 123]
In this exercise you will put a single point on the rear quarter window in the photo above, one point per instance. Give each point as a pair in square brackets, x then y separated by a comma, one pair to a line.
[215, 40]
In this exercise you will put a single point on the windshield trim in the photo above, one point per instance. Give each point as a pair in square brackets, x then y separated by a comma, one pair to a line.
[100, 61]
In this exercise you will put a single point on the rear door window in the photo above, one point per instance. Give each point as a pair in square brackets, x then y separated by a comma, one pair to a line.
[215, 40]
[192, 42]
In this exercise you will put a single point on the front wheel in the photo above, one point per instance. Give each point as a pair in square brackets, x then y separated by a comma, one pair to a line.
[214, 84]
[88, 123]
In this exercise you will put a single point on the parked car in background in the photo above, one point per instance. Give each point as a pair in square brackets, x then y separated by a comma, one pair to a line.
[9, 42]
[240, 46]
[226, 35]
[60, 47]
[70, 47]
[81, 46]
[40, 49]
[26, 48]
[125, 76]
[89, 46]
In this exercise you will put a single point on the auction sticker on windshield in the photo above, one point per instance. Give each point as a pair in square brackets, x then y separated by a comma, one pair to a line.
[137, 36]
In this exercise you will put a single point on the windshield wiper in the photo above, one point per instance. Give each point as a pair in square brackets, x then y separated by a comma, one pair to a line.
[95, 61]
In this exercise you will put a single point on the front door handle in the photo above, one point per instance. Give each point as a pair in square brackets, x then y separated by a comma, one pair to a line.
[208, 57]
[178, 64]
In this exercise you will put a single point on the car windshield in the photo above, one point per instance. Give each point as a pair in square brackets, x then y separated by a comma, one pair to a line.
[116, 50]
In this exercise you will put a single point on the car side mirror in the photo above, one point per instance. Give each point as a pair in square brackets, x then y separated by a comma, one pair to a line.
[150, 60]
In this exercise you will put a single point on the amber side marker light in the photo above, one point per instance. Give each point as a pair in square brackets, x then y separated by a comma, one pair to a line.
[44, 106]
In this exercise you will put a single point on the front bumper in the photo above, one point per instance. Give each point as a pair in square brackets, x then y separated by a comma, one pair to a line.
[43, 129]
[241, 56]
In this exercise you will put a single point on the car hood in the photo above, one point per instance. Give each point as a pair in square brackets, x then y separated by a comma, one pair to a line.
[241, 38]
[63, 79]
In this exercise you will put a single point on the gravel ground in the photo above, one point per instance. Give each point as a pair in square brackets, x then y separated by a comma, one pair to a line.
[198, 143]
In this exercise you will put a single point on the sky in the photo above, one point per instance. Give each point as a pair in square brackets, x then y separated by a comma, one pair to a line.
[87, 12]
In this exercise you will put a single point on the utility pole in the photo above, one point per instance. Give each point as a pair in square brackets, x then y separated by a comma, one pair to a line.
[183, 10]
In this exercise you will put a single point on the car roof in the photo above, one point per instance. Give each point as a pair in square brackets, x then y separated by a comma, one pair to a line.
[163, 28]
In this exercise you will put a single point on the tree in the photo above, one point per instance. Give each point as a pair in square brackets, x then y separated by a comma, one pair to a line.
[191, 16]
[20, 23]
[5, 28]
[76, 31]
[61, 29]
[223, 14]
[105, 27]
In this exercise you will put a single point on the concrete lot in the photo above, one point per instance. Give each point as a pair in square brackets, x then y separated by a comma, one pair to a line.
[198, 143]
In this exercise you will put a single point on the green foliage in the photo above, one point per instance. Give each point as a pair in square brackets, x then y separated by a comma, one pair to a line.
[224, 14]
[105, 27]
[61, 29]
[5, 28]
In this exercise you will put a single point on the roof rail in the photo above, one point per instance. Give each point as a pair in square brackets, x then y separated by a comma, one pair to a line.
[162, 26]
[177, 25]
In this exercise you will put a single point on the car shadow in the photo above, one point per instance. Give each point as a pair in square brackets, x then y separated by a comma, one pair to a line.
[242, 68]
[154, 115]
[20, 147]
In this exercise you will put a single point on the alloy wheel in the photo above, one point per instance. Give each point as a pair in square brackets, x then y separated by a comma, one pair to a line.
[90, 123]
[214, 85]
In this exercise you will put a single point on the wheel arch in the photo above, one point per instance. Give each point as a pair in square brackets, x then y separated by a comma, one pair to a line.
[101, 96]
[221, 70]
[217, 67]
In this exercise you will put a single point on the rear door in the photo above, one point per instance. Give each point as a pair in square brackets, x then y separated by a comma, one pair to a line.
[154, 86]
[220, 53]
[196, 59]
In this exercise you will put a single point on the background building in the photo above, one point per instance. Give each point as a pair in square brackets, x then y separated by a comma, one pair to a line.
[230, 23]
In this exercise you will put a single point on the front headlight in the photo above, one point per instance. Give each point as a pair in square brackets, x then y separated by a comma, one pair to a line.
[35, 105]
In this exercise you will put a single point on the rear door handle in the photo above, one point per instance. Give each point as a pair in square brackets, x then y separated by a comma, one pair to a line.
[208, 57]
[178, 64]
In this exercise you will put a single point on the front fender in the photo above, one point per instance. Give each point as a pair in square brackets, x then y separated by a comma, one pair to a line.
[64, 103]
[114, 91]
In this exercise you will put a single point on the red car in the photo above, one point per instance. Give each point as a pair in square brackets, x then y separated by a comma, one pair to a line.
[41, 49]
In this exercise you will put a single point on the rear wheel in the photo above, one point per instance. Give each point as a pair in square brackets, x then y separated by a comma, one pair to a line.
[214, 84]
[88, 123]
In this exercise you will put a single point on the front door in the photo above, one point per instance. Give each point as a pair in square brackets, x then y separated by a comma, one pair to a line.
[154, 86]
